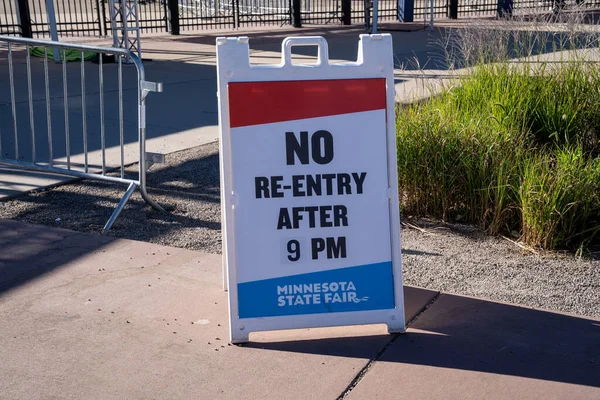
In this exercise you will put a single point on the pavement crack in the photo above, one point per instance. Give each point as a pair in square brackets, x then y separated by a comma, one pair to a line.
[367, 367]
[425, 308]
[361, 374]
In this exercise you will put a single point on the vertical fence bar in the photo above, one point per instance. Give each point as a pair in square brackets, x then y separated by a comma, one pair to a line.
[36, 13]
[407, 13]
[70, 13]
[113, 23]
[14, 11]
[236, 13]
[125, 24]
[296, 14]
[173, 16]
[10, 22]
[87, 22]
[30, 94]
[12, 99]
[99, 19]
[121, 136]
[84, 22]
[347, 12]
[25, 18]
[102, 138]
[166, 15]
[66, 103]
[60, 18]
[76, 19]
[83, 114]
[84, 11]
[141, 101]
[453, 9]
[48, 114]
[103, 17]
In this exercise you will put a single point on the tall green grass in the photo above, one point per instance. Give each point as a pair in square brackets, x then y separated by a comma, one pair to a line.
[560, 199]
[510, 147]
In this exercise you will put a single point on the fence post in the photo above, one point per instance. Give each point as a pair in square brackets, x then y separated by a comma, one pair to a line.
[102, 18]
[296, 15]
[173, 7]
[453, 9]
[346, 12]
[98, 13]
[407, 12]
[24, 18]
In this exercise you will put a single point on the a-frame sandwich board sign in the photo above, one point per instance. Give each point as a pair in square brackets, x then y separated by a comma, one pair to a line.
[309, 188]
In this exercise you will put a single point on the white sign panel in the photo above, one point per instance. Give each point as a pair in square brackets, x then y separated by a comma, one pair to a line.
[309, 189]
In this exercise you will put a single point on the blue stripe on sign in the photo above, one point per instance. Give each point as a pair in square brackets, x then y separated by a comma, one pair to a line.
[361, 288]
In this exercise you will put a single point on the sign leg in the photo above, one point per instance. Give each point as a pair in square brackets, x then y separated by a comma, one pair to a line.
[238, 336]
[396, 327]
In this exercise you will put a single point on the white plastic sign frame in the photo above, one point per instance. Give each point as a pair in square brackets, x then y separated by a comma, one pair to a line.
[243, 233]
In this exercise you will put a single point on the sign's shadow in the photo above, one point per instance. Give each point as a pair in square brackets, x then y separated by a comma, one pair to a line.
[477, 335]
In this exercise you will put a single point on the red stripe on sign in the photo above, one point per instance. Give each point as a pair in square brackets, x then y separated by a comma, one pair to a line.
[255, 103]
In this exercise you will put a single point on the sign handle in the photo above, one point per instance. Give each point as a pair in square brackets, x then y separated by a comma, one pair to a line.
[320, 42]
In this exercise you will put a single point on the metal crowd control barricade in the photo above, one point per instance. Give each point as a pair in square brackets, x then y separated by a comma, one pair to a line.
[18, 148]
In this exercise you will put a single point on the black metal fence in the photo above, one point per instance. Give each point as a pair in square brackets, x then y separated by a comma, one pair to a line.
[152, 15]
[9, 19]
[92, 17]
[260, 13]
[73, 17]
[491, 8]
[388, 10]
[321, 12]
[422, 9]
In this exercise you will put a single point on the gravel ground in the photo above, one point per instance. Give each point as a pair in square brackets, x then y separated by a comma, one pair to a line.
[452, 258]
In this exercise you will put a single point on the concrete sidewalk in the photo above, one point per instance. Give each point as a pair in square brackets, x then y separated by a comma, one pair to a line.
[95, 317]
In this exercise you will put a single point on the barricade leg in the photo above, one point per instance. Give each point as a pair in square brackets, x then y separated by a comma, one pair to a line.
[119, 208]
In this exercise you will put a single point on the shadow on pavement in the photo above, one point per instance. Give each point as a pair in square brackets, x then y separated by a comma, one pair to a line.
[412, 49]
[30, 251]
[477, 335]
